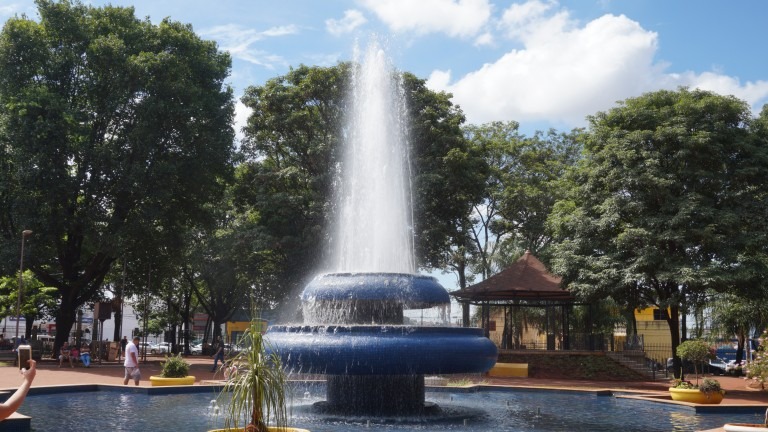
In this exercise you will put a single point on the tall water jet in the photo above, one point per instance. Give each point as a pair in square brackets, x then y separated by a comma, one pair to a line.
[373, 231]
[354, 332]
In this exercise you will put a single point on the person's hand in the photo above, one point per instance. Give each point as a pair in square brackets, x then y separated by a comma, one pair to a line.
[29, 374]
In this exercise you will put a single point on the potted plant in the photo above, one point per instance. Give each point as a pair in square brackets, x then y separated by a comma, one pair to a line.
[709, 392]
[255, 390]
[175, 372]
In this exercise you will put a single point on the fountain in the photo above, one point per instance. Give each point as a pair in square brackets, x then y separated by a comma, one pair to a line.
[353, 328]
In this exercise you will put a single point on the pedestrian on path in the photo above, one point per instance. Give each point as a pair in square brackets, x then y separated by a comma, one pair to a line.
[218, 354]
[131, 363]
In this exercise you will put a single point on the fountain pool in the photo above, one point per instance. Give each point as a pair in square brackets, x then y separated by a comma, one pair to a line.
[486, 409]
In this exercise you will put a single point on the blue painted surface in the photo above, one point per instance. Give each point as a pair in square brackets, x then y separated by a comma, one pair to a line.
[382, 350]
[413, 291]
[482, 409]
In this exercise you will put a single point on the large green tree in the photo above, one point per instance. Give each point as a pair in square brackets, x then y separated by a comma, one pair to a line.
[293, 146]
[661, 201]
[113, 132]
[522, 182]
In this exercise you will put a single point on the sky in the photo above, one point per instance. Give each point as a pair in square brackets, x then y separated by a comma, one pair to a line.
[542, 63]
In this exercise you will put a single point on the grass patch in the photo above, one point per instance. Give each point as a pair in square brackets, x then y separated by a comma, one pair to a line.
[463, 382]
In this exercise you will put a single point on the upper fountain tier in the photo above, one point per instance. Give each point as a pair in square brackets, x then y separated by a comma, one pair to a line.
[368, 298]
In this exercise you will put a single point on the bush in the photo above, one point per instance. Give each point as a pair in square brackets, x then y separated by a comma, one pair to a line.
[710, 386]
[175, 367]
[697, 351]
[707, 385]
[757, 369]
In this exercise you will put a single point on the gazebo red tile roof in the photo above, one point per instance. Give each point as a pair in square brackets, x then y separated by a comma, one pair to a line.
[526, 279]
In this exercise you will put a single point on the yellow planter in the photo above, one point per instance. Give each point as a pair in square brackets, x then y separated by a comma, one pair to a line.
[271, 429]
[695, 396]
[157, 381]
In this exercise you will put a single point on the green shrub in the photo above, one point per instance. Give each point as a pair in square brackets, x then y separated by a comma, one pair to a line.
[710, 386]
[697, 351]
[175, 367]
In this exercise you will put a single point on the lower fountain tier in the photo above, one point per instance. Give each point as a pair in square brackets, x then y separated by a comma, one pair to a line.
[376, 395]
[382, 349]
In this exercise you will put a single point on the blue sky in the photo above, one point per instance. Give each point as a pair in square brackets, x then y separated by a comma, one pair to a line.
[542, 63]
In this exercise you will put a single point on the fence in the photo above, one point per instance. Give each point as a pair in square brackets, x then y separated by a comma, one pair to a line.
[655, 355]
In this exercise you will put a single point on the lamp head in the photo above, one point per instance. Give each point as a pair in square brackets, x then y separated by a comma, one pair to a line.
[26, 233]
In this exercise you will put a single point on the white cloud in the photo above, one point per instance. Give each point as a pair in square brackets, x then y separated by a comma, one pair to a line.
[564, 71]
[352, 20]
[241, 119]
[484, 39]
[455, 18]
[8, 10]
[239, 41]
[755, 93]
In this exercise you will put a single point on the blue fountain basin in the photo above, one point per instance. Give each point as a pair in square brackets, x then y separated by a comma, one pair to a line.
[382, 350]
[411, 290]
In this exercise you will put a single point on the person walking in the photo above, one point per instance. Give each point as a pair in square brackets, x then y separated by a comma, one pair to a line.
[131, 363]
[218, 353]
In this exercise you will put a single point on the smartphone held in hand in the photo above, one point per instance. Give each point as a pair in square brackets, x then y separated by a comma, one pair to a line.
[25, 353]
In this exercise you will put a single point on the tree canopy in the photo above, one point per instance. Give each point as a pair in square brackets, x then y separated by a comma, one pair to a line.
[661, 199]
[113, 132]
[293, 146]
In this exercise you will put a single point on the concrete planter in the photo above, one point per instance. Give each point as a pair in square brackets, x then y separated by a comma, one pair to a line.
[695, 396]
[157, 381]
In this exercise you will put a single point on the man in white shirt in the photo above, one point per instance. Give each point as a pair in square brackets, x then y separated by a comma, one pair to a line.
[132, 362]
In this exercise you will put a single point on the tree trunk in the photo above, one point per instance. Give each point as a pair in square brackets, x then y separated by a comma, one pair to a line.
[65, 318]
[673, 321]
[185, 316]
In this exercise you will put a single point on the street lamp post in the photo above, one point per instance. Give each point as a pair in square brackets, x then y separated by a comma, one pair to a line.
[24, 235]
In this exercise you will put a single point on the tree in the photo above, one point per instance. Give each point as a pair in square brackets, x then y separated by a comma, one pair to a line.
[697, 351]
[737, 316]
[660, 199]
[114, 133]
[521, 184]
[37, 300]
[293, 148]
[217, 280]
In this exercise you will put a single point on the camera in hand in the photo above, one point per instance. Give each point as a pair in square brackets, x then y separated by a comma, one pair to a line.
[25, 353]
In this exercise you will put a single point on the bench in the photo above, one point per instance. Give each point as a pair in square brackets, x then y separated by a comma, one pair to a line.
[509, 370]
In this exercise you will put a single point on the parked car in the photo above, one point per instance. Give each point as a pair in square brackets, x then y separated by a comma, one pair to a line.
[733, 368]
[160, 348]
[196, 349]
[718, 366]
[144, 347]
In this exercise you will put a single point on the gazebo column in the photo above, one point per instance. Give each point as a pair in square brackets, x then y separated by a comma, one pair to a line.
[485, 313]
[566, 327]
[465, 314]
[550, 327]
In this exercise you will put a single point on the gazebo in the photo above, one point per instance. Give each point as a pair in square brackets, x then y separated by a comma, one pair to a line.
[526, 283]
